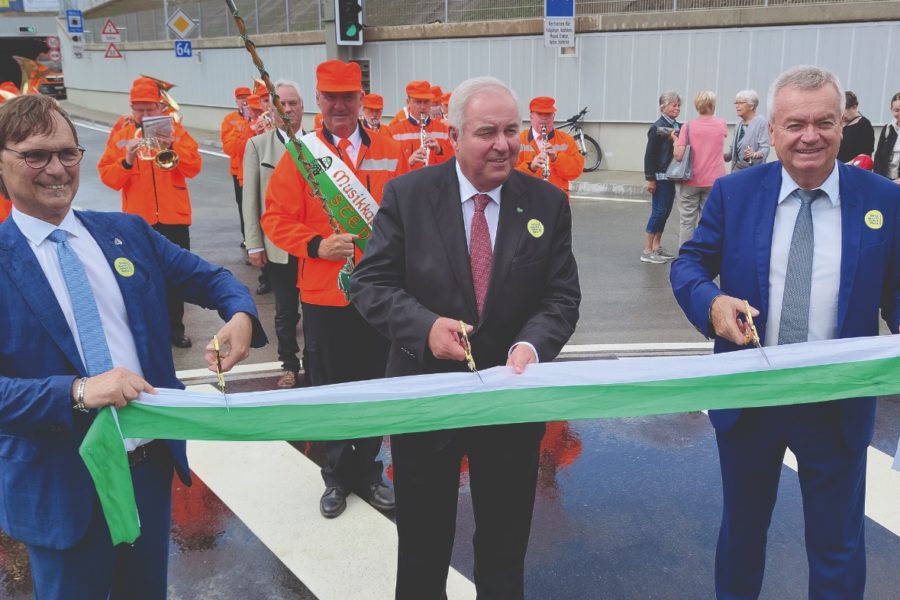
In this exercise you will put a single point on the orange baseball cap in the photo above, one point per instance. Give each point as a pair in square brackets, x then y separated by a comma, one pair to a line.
[241, 91]
[436, 93]
[445, 99]
[253, 102]
[373, 101]
[420, 90]
[338, 76]
[9, 86]
[542, 104]
[144, 89]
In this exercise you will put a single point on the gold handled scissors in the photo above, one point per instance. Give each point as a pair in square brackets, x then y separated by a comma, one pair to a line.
[467, 348]
[219, 374]
[754, 335]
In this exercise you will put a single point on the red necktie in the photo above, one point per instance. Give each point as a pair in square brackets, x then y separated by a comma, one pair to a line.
[344, 149]
[480, 254]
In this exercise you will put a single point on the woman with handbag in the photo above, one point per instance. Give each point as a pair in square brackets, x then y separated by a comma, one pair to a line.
[702, 143]
[657, 156]
[887, 154]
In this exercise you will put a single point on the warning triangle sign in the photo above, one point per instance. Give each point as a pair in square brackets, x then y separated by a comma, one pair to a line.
[109, 28]
[112, 52]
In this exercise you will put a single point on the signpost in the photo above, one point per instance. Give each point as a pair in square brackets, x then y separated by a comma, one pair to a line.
[112, 51]
[110, 33]
[75, 21]
[183, 49]
[180, 24]
[559, 23]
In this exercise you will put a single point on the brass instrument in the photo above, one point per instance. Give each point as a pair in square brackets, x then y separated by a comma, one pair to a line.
[544, 152]
[33, 74]
[423, 136]
[157, 150]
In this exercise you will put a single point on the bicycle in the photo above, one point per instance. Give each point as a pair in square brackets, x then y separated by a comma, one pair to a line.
[587, 145]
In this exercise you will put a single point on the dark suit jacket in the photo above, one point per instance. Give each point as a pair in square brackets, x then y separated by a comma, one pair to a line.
[46, 493]
[734, 241]
[416, 268]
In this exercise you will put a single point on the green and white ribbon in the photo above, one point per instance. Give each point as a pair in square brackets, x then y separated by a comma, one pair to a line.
[801, 373]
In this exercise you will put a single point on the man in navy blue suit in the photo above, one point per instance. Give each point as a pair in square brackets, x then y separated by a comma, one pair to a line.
[812, 245]
[83, 323]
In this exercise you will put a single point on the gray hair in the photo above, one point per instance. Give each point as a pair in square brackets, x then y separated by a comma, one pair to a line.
[289, 83]
[748, 96]
[667, 98]
[464, 92]
[805, 77]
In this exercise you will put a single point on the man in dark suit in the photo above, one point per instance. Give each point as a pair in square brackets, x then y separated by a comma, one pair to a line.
[470, 240]
[82, 298]
[812, 245]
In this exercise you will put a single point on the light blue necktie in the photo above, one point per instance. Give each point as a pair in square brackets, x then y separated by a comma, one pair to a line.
[87, 318]
[794, 325]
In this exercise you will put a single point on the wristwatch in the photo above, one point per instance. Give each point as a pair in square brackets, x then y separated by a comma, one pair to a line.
[78, 402]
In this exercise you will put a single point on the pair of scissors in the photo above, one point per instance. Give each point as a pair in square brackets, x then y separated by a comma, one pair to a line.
[219, 374]
[467, 348]
[754, 335]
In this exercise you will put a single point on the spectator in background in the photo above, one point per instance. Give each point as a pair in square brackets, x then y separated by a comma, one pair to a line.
[706, 136]
[887, 155]
[750, 145]
[657, 156]
[859, 137]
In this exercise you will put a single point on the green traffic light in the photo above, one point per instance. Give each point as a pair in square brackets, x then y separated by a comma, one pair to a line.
[352, 30]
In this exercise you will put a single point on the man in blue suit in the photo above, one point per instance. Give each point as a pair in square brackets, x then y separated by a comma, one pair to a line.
[812, 245]
[83, 323]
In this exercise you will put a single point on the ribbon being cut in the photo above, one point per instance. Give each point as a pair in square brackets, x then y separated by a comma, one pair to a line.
[800, 374]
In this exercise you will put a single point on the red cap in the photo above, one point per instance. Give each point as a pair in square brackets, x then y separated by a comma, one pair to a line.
[542, 104]
[144, 89]
[338, 76]
[436, 93]
[420, 90]
[9, 86]
[863, 161]
[253, 102]
[241, 91]
[445, 99]
[373, 101]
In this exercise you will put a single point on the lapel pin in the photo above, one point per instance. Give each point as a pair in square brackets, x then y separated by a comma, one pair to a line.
[535, 228]
[874, 219]
[519, 210]
[124, 267]
[117, 242]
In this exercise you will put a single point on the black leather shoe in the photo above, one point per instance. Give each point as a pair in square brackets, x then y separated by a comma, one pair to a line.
[182, 341]
[263, 288]
[380, 496]
[333, 502]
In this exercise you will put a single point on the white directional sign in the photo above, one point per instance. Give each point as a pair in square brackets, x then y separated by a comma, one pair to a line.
[559, 23]
[110, 33]
[180, 24]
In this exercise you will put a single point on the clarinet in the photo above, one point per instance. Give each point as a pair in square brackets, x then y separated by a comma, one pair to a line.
[544, 152]
[423, 137]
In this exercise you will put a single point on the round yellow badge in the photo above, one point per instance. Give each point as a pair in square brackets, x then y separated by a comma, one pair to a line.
[124, 267]
[535, 228]
[874, 219]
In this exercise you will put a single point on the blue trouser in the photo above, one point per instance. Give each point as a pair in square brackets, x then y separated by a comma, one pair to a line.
[661, 207]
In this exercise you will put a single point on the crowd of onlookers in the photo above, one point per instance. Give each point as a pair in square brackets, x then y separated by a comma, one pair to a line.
[701, 144]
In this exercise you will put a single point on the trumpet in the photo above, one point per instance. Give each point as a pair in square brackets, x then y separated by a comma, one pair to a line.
[544, 152]
[157, 150]
[423, 137]
[263, 122]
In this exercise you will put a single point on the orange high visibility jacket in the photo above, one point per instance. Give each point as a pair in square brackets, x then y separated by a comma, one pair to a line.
[158, 195]
[569, 162]
[294, 217]
[402, 115]
[5, 207]
[407, 133]
[232, 131]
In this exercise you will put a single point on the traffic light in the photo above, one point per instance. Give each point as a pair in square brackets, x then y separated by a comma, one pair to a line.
[348, 22]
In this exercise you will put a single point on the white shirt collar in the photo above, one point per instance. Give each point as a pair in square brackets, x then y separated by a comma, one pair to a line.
[36, 230]
[831, 186]
[467, 190]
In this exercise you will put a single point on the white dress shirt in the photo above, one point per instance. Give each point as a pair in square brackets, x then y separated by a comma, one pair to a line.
[826, 268]
[107, 294]
[355, 144]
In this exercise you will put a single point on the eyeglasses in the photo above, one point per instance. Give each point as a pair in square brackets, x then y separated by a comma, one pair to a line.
[38, 159]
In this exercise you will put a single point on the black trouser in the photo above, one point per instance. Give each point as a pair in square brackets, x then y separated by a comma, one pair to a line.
[340, 347]
[180, 235]
[283, 279]
[239, 198]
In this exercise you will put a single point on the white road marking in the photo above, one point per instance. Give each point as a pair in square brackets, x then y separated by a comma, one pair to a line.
[104, 129]
[610, 199]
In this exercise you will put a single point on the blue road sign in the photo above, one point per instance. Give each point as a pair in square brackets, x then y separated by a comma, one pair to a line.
[559, 8]
[183, 49]
[75, 21]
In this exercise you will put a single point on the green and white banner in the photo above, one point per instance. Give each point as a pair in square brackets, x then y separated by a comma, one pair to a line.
[631, 387]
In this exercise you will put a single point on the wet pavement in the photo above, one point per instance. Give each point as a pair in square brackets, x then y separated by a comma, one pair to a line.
[626, 509]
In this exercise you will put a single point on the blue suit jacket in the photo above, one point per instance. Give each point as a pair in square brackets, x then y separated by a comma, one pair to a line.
[46, 493]
[734, 239]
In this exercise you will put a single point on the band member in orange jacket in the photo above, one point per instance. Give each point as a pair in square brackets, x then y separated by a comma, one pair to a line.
[559, 161]
[372, 109]
[233, 126]
[156, 192]
[340, 345]
[408, 132]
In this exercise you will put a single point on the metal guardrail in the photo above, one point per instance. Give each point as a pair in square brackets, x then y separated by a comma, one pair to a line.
[279, 16]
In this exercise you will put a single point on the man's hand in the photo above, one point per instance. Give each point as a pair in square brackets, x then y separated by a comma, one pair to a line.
[651, 187]
[337, 246]
[258, 259]
[418, 156]
[234, 342]
[538, 162]
[117, 387]
[724, 317]
[445, 341]
[521, 356]
[131, 148]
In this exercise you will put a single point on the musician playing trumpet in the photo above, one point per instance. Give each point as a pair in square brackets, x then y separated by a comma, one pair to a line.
[155, 188]
[425, 141]
[546, 152]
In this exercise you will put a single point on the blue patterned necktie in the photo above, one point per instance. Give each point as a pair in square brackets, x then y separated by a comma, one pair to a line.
[87, 318]
[794, 325]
